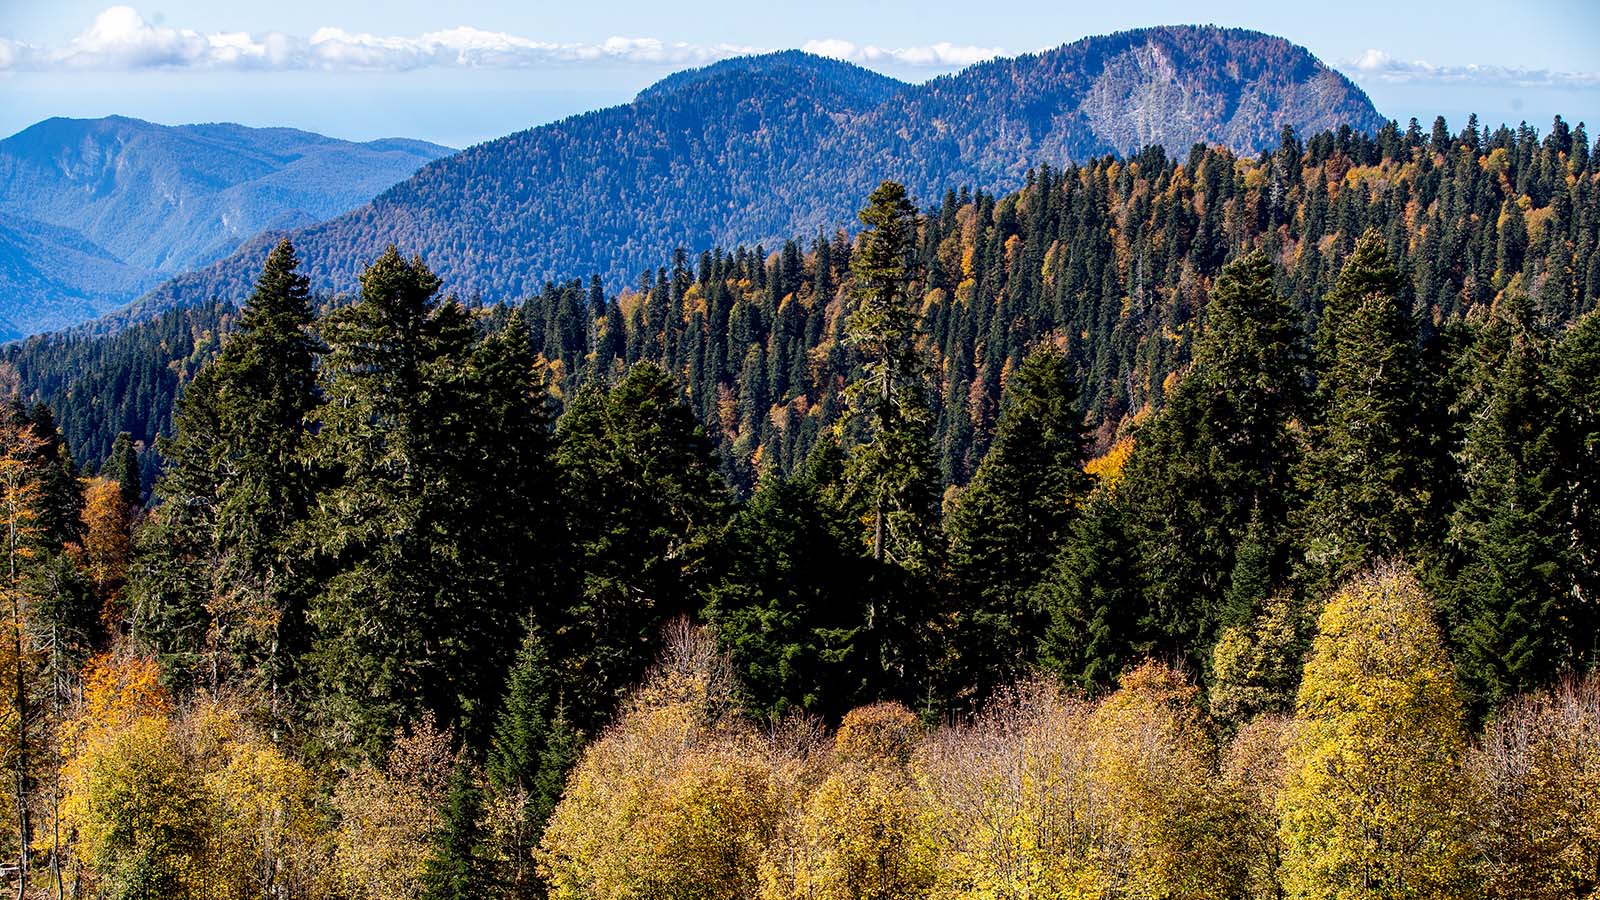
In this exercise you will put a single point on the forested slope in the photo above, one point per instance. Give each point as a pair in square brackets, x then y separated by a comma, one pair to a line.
[1114, 257]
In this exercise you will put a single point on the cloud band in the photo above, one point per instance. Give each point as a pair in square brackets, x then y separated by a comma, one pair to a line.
[121, 39]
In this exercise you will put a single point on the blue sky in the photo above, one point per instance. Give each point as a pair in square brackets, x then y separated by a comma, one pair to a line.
[461, 72]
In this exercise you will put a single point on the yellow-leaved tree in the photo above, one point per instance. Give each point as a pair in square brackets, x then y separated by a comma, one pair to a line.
[861, 834]
[1014, 806]
[670, 802]
[387, 816]
[183, 803]
[1375, 803]
[1172, 827]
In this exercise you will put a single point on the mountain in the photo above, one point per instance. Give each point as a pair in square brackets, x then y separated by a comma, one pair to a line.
[94, 211]
[59, 277]
[756, 148]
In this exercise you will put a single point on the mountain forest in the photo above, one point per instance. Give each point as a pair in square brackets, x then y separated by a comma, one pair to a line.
[1224, 526]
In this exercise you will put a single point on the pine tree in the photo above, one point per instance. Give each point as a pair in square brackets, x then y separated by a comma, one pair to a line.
[1364, 469]
[1576, 381]
[641, 497]
[214, 565]
[389, 535]
[1013, 518]
[532, 749]
[122, 467]
[787, 602]
[1217, 458]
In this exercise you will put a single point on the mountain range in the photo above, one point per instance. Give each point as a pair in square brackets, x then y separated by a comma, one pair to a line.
[95, 211]
[756, 148]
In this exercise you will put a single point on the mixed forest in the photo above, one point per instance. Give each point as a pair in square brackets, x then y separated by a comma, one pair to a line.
[1217, 527]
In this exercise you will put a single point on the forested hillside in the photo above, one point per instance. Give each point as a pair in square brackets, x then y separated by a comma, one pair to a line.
[1322, 621]
[94, 212]
[786, 144]
[1114, 259]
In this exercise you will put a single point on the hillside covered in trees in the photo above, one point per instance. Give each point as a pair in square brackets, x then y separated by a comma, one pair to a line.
[768, 147]
[1114, 259]
[94, 212]
[1216, 528]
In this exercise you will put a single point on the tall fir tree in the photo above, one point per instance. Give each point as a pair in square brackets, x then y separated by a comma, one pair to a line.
[1510, 594]
[787, 599]
[893, 468]
[400, 609]
[1365, 466]
[1092, 600]
[457, 867]
[642, 499]
[1012, 519]
[235, 487]
[1217, 457]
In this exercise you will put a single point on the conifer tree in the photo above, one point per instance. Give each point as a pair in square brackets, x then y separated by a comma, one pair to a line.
[893, 470]
[1015, 516]
[787, 599]
[531, 751]
[389, 539]
[1513, 572]
[1576, 381]
[1364, 468]
[457, 869]
[1217, 459]
[641, 498]
[122, 467]
[1091, 596]
[215, 563]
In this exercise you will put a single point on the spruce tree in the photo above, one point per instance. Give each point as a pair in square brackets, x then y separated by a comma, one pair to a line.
[1218, 457]
[1091, 596]
[1576, 380]
[122, 467]
[1365, 466]
[787, 598]
[458, 868]
[641, 499]
[215, 563]
[1014, 517]
[390, 537]
[1513, 573]
[893, 470]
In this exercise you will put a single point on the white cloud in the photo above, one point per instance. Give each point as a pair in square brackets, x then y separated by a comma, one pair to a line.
[940, 55]
[122, 39]
[1378, 65]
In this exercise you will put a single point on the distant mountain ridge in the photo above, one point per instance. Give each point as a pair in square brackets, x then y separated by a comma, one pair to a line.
[147, 201]
[769, 146]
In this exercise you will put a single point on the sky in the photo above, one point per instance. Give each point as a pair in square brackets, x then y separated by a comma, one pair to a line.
[458, 72]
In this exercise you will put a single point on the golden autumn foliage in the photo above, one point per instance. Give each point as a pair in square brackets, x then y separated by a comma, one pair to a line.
[860, 834]
[1172, 831]
[107, 542]
[1015, 806]
[1376, 803]
[672, 801]
[1108, 466]
[387, 816]
[191, 802]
